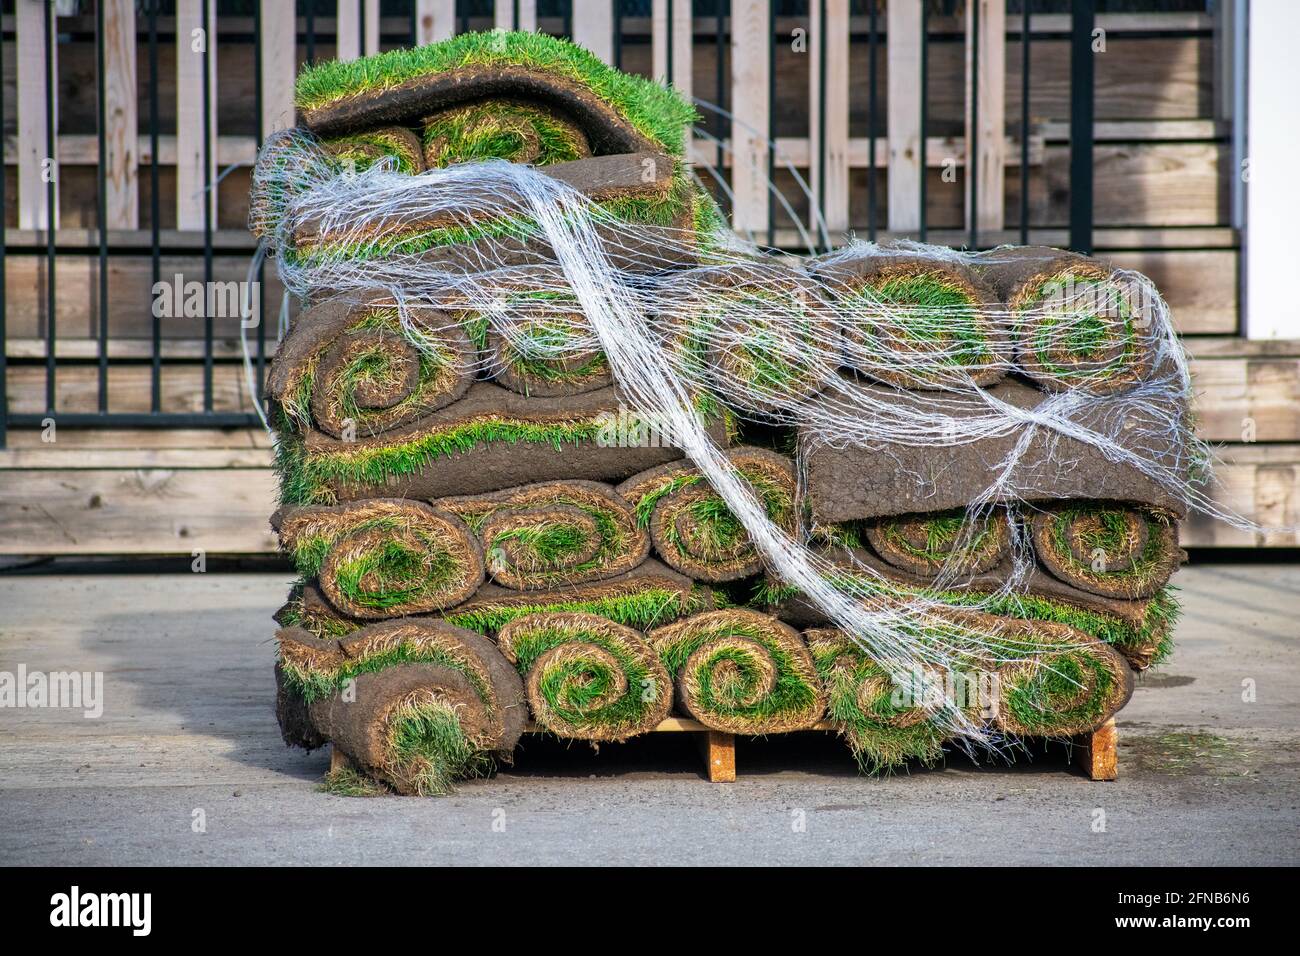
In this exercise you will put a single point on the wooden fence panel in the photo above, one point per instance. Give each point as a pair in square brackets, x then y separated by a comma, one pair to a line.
[904, 56]
[434, 20]
[195, 171]
[121, 177]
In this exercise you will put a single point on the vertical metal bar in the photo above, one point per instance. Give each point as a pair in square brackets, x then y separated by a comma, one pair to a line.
[821, 122]
[972, 160]
[52, 212]
[721, 83]
[672, 36]
[4, 362]
[208, 187]
[925, 88]
[102, 195]
[259, 94]
[415, 26]
[1082, 79]
[1024, 124]
[155, 208]
[618, 34]
[771, 121]
[873, 39]
[568, 20]
[309, 9]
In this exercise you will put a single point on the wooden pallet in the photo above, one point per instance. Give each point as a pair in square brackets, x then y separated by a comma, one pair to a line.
[1094, 753]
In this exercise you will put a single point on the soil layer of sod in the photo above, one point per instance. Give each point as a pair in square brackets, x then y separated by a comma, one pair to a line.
[849, 483]
[489, 440]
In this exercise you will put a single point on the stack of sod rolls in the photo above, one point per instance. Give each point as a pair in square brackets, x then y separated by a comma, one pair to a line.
[488, 538]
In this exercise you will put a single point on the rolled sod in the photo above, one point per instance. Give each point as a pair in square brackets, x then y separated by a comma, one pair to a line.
[509, 129]
[643, 187]
[489, 440]
[1071, 688]
[1077, 325]
[394, 143]
[348, 367]
[1107, 549]
[617, 112]
[740, 671]
[1139, 629]
[647, 596]
[537, 339]
[765, 342]
[692, 528]
[951, 541]
[587, 677]
[418, 727]
[883, 730]
[411, 640]
[554, 533]
[916, 321]
[851, 482]
[293, 715]
[383, 557]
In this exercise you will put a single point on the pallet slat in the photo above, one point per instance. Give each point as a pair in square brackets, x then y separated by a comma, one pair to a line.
[278, 65]
[986, 112]
[750, 66]
[193, 174]
[594, 28]
[435, 20]
[903, 56]
[122, 198]
[29, 26]
[828, 115]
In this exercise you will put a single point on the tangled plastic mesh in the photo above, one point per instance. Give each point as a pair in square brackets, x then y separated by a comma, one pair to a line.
[766, 335]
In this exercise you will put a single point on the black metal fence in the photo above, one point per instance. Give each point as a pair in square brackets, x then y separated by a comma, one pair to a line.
[104, 245]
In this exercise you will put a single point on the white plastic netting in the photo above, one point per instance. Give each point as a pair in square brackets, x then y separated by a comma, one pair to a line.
[769, 336]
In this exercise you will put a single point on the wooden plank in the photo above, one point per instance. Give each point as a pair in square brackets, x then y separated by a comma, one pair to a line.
[1247, 399]
[130, 440]
[122, 194]
[751, 42]
[34, 161]
[1260, 482]
[829, 48]
[339, 760]
[986, 116]
[130, 283]
[1097, 752]
[719, 752]
[278, 66]
[903, 55]
[353, 38]
[593, 27]
[82, 149]
[515, 15]
[1146, 184]
[193, 174]
[435, 20]
[129, 388]
[51, 456]
[1199, 285]
[137, 511]
[798, 152]
[678, 34]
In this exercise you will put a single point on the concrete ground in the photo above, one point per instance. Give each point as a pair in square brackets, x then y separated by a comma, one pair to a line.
[186, 766]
